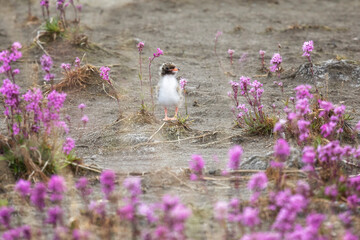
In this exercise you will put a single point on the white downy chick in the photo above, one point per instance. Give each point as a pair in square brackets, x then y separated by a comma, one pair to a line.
[169, 94]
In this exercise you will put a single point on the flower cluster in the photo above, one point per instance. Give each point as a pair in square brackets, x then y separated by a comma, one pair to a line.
[104, 73]
[7, 57]
[307, 48]
[183, 83]
[107, 180]
[158, 53]
[68, 145]
[46, 64]
[252, 92]
[196, 166]
[140, 46]
[275, 61]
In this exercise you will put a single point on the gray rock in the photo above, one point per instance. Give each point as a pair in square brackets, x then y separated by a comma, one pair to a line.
[262, 162]
[334, 70]
[255, 163]
[134, 138]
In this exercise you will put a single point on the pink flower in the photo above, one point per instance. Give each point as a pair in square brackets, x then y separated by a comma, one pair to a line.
[281, 149]
[307, 48]
[158, 52]
[81, 106]
[309, 155]
[107, 180]
[218, 34]
[250, 217]
[23, 187]
[221, 210]
[258, 182]
[196, 165]
[183, 83]
[104, 73]
[279, 126]
[85, 119]
[77, 62]
[231, 52]
[133, 185]
[57, 188]
[276, 60]
[68, 145]
[235, 154]
[140, 46]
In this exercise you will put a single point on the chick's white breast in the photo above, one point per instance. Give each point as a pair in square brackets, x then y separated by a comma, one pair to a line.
[168, 91]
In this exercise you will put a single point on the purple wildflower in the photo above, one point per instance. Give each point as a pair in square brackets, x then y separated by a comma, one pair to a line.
[11, 93]
[220, 210]
[98, 208]
[26, 232]
[133, 185]
[80, 235]
[85, 120]
[66, 66]
[307, 48]
[262, 236]
[349, 236]
[196, 166]
[77, 62]
[281, 149]
[23, 187]
[83, 188]
[55, 215]
[12, 234]
[126, 212]
[148, 212]
[331, 191]
[309, 155]
[258, 182]
[235, 154]
[81, 106]
[46, 64]
[107, 180]
[104, 73]
[276, 60]
[279, 126]
[38, 195]
[5, 216]
[158, 53]
[250, 217]
[218, 34]
[57, 188]
[68, 145]
[231, 53]
[183, 83]
[140, 46]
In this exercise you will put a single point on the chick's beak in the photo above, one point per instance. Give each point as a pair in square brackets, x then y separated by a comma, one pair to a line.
[175, 69]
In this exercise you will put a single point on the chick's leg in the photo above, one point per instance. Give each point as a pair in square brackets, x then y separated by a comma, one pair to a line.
[176, 112]
[166, 117]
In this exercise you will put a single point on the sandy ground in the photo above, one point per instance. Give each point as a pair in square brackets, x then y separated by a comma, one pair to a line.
[185, 30]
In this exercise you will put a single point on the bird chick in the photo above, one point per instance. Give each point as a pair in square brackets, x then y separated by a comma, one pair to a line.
[169, 94]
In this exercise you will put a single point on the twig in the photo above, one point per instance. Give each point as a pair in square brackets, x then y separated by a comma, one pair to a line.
[351, 164]
[108, 93]
[42, 48]
[156, 131]
[83, 166]
[46, 163]
[174, 141]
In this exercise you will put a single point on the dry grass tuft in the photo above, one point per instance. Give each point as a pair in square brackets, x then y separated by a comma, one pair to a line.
[81, 77]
